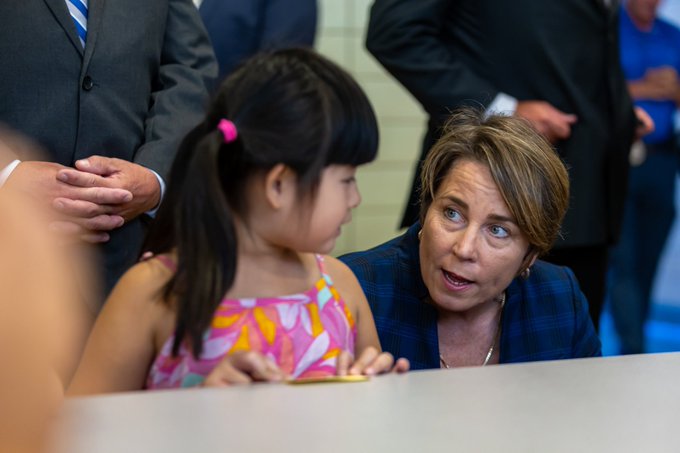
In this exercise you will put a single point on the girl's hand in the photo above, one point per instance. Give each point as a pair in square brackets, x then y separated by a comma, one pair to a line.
[371, 362]
[243, 367]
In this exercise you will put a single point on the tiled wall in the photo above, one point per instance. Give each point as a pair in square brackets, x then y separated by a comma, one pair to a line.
[384, 184]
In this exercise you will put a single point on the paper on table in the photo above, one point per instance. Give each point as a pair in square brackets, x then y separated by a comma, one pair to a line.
[327, 379]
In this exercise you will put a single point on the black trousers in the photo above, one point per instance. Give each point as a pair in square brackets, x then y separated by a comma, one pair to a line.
[590, 266]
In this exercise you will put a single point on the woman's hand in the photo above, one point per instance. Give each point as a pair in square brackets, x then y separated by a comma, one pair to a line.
[244, 367]
[370, 363]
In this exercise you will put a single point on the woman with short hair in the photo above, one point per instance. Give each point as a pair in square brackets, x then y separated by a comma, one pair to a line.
[463, 286]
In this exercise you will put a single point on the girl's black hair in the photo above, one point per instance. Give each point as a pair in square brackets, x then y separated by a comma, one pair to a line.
[290, 106]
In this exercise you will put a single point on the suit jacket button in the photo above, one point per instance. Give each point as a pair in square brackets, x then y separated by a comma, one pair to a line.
[87, 83]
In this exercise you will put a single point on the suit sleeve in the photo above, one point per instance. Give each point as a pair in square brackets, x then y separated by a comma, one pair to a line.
[586, 343]
[187, 70]
[405, 36]
[288, 23]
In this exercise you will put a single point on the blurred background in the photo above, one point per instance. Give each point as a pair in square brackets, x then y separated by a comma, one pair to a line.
[385, 183]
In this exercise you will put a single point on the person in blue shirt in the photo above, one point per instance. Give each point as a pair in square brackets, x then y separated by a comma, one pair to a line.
[463, 286]
[650, 56]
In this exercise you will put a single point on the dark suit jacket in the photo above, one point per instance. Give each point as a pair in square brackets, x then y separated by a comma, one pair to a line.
[240, 28]
[450, 53]
[132, 93]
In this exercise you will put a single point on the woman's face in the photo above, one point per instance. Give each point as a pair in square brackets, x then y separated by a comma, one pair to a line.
[470, 248]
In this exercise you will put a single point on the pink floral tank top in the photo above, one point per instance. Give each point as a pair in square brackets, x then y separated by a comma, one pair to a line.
[303, 333]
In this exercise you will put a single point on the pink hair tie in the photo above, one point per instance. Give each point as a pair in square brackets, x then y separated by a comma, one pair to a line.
[228, 130]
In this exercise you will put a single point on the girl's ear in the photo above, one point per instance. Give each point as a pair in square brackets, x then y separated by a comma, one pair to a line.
[280, 184]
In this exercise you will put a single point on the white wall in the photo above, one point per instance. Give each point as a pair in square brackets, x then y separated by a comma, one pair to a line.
[384, 184]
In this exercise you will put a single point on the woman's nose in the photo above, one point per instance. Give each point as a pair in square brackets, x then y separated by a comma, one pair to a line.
[465, 244]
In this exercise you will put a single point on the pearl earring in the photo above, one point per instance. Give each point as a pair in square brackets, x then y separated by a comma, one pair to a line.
[526, 273]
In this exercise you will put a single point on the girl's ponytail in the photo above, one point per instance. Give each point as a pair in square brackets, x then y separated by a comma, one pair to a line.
[206, 241]
[195, 218]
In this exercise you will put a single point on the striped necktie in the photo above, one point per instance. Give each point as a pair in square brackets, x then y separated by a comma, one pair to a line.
[78, 10]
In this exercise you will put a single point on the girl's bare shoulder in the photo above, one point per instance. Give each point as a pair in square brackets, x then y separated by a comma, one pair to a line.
[343, 279]
[145, 281]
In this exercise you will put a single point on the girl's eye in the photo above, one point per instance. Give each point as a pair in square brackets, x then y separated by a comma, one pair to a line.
[349, 180]
[498, 231]
[452, 214]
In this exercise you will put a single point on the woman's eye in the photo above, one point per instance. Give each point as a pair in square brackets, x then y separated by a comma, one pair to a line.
[498, 231]
[349, 180]
[452, 214]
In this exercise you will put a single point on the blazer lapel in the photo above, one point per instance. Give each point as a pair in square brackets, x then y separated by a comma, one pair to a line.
[95, 14]
[62, 15]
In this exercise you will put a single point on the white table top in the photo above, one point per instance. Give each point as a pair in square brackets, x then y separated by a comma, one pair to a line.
[616, 404]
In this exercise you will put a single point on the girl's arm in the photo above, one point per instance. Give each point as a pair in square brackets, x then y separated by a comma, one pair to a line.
[121, 346]
[368, 356]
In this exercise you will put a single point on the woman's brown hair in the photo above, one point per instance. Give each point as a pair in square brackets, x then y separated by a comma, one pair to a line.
[530, 176]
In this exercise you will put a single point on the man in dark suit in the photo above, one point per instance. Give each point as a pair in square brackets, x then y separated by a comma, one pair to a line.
[553, 62]
[239, 29]
[112, 97]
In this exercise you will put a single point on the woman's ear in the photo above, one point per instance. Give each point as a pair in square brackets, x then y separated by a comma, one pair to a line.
[528, 261]
[532, 259]
[280, 184]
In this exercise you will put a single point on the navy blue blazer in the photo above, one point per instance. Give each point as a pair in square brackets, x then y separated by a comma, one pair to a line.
[545, 316]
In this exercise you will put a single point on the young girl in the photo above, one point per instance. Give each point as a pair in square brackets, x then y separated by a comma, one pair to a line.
[236, 290]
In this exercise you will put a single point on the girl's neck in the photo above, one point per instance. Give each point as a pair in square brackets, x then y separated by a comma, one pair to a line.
[254, 247]
[269, 276]
[268, 270]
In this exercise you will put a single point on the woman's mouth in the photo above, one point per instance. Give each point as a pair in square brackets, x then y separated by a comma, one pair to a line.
[455, 280]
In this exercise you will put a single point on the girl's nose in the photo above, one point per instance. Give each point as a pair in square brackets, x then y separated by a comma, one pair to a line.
[355, 197]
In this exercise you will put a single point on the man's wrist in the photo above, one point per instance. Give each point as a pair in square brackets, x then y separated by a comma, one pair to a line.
[161, 183]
